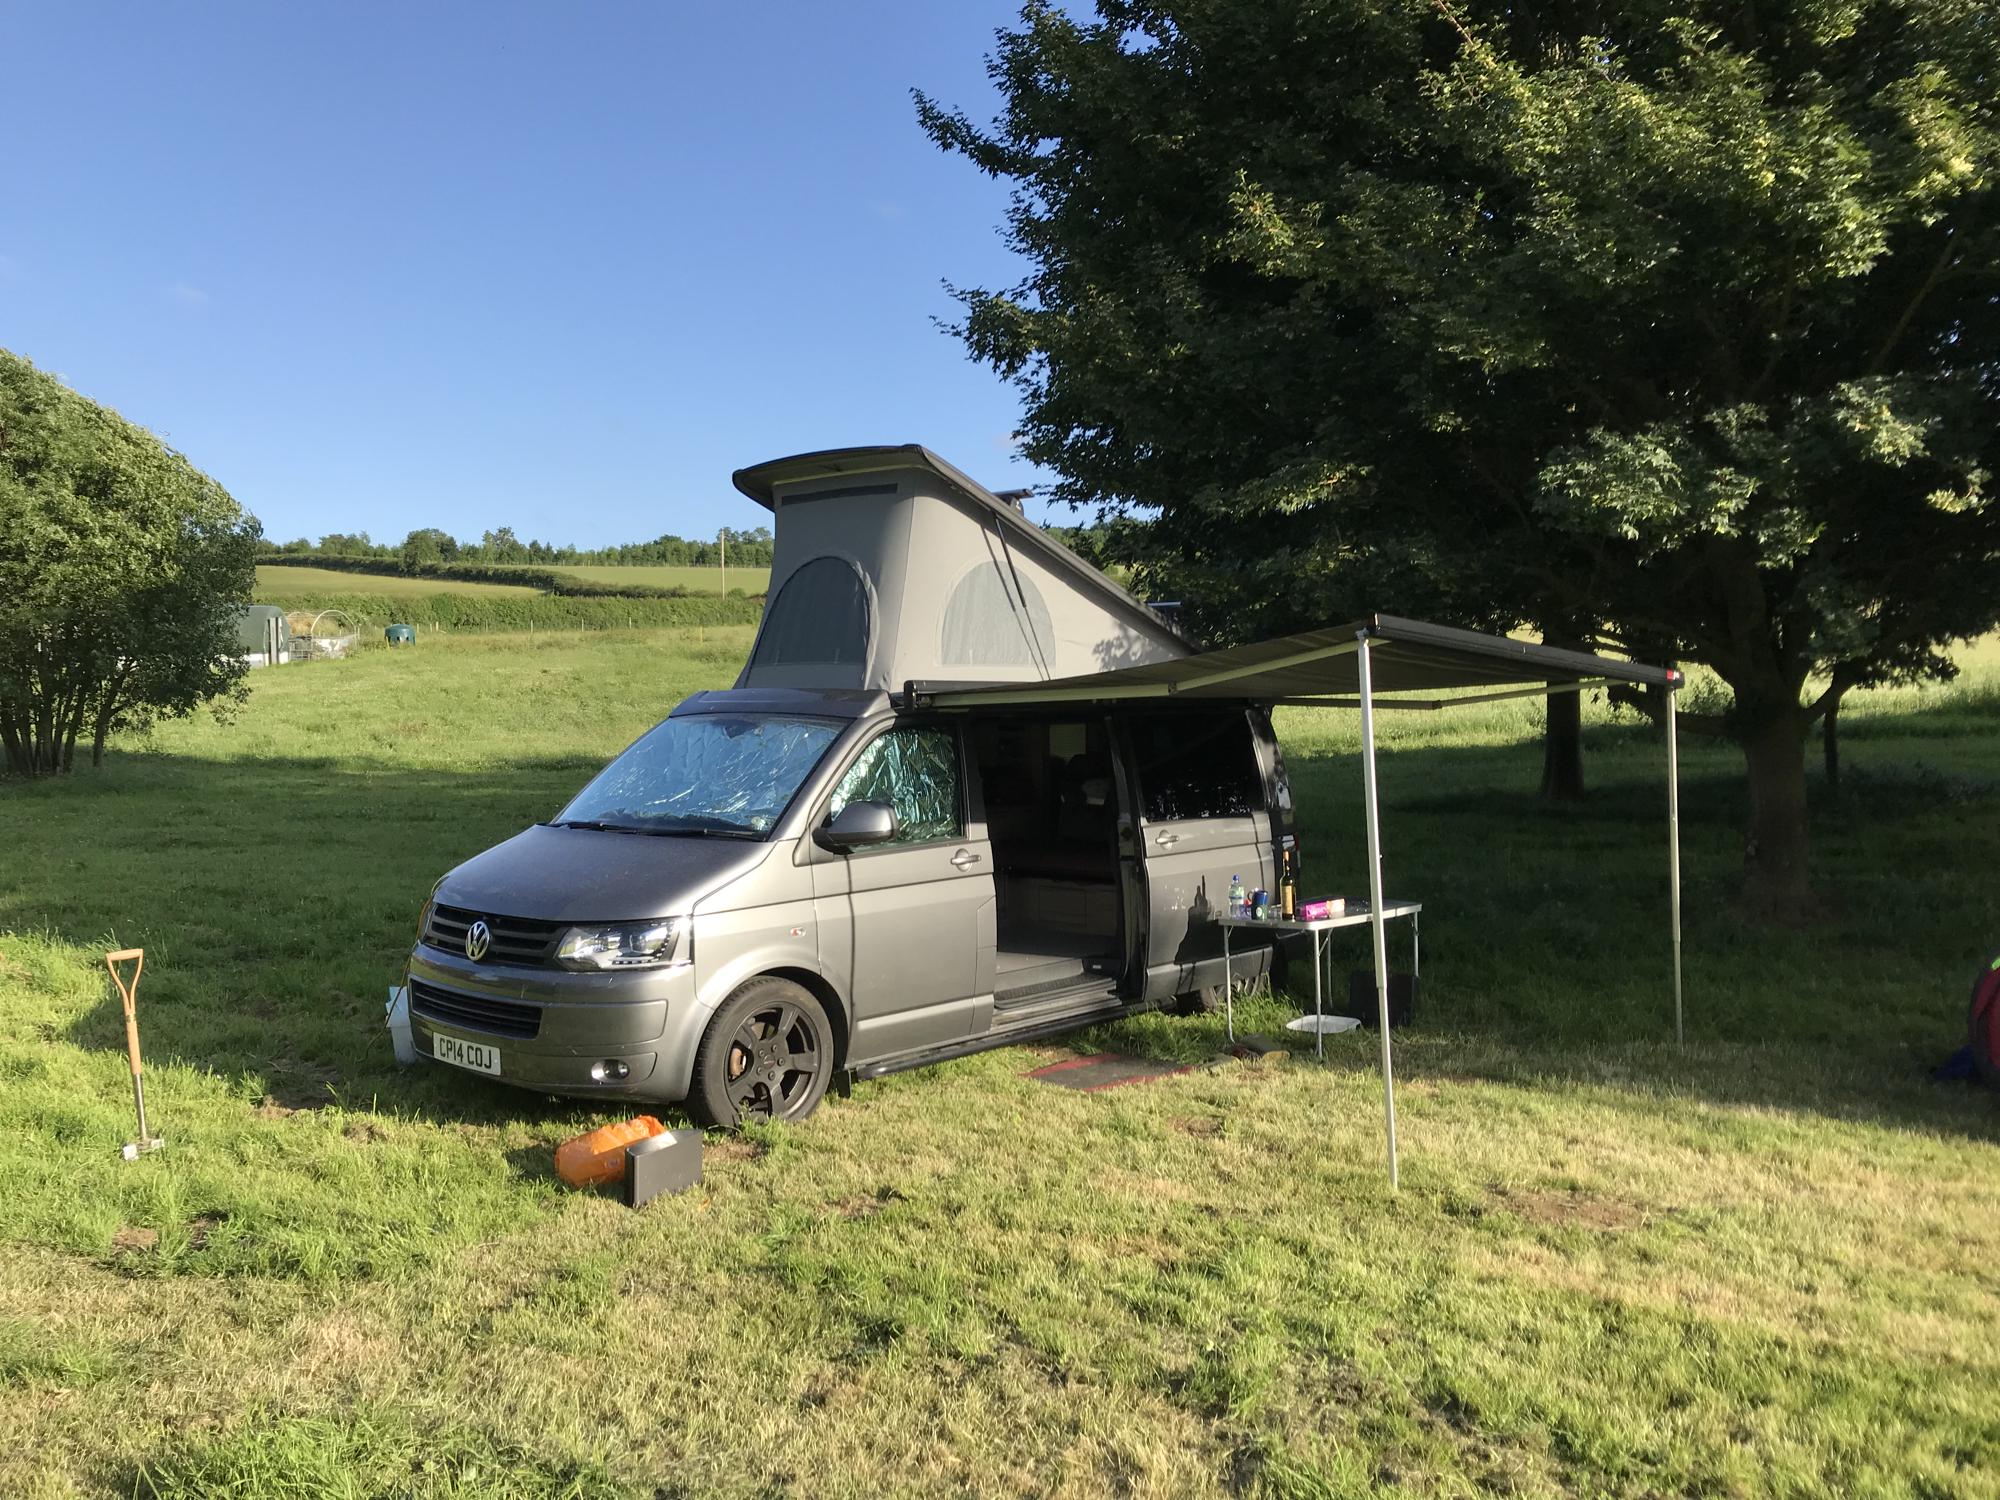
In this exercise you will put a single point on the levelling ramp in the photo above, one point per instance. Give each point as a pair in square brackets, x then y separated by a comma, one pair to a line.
[1106, 1070]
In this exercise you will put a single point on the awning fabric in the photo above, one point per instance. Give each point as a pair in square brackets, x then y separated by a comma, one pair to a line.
[1408, 656]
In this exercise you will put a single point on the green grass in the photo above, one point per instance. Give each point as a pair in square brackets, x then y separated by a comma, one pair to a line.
[281, 581]
[1762, 1265]
[701, 580]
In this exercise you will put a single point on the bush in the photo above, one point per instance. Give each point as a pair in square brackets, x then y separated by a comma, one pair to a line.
[121, 565]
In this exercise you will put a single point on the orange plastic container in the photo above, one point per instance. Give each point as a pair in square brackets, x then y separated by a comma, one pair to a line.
[587, 1160]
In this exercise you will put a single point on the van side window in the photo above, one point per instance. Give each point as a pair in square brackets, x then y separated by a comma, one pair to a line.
[915, 771]
[1197, 765]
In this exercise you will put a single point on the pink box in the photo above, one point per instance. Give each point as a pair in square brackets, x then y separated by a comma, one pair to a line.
[1319, 911]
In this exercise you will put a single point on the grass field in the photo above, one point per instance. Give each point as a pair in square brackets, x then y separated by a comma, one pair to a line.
[287, 580]
[283, 581]
[1762, 1265]
[699, 580]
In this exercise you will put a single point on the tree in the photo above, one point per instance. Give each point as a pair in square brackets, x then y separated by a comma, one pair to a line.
[428, 547]
[1668, 326]
[121, 571]
[503, 546]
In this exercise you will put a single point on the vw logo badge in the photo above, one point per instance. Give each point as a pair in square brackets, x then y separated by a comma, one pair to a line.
[478, 938]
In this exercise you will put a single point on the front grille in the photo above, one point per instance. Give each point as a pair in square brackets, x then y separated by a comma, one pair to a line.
[475, 1012]
[516, 940]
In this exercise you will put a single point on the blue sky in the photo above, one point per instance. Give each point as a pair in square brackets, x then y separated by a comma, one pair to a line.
[554, 267]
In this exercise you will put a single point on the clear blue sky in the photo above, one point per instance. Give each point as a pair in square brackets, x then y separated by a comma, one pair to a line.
[559, 267]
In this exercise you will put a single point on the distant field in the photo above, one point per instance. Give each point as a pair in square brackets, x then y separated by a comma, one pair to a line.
[750, 580]
[293, 579]
[290, 580]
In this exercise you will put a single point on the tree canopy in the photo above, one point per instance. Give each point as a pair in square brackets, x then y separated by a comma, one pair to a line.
[122, 568]
[430, 548]
[1670, 323]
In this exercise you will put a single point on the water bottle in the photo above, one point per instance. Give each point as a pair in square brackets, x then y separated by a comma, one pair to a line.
[1238, 902]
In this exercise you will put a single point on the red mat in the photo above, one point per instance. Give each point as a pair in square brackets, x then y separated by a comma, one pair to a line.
[1107, 1070]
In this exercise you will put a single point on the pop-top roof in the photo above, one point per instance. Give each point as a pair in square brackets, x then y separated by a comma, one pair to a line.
[889, 564]
[760, 482]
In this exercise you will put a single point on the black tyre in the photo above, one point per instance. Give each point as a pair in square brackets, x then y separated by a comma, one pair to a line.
[767, 1055]
[1205, 1001]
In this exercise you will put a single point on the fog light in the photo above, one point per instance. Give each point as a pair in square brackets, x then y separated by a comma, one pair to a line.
[611, 1070]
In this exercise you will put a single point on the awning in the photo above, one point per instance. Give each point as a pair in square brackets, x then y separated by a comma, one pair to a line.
[1322, 667]
[1354, 666]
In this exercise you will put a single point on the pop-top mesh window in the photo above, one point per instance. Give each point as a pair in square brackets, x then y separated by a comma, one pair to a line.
[820, 618]
[985, 625]
[915, 771]
[1197, 765]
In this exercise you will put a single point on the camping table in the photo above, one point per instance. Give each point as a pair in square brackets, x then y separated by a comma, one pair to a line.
[1355, 914]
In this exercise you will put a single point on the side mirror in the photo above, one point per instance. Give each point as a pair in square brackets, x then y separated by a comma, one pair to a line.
[858, 825]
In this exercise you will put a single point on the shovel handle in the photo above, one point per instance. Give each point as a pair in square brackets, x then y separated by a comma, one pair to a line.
[128, 993]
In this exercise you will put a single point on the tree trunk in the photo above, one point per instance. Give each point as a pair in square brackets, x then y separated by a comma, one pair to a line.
[1774, 856]
[1562, 729]
[1562, 749]
[1830, 743]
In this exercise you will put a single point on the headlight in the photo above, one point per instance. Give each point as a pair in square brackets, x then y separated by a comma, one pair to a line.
[629, 945]
[430, 904]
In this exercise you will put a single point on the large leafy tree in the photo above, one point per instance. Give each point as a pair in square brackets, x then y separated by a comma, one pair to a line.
[1668, 324]
[121, 570]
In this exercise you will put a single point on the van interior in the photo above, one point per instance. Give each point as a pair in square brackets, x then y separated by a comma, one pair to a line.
[1052, 816]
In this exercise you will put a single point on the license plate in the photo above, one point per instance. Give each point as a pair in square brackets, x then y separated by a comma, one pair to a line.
[477, 1056]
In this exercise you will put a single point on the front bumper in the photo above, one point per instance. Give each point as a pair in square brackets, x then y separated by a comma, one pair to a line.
[646, 1020]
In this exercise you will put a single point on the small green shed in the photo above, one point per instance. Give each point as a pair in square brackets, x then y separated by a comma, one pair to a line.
[264, 635]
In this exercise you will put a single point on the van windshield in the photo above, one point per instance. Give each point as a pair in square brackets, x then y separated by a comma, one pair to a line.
[730, 774]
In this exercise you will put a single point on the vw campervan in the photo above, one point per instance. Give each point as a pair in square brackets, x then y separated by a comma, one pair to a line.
[814, 875]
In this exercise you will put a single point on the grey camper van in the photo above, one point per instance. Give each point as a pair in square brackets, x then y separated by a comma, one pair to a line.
[828, 872]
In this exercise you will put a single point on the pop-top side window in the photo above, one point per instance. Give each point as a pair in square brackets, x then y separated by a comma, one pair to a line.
[820, 618]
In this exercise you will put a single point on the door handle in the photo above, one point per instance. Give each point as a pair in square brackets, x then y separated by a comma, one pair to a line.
[1167, 840]
[965, 859]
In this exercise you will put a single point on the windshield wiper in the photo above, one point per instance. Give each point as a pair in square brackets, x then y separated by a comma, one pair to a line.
[696, 830]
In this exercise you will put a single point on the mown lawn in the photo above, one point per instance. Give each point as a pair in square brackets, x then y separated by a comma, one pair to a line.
[1765, 1264]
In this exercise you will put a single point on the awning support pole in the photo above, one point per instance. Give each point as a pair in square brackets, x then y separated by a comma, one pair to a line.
[1674, 854]
[1375, 903]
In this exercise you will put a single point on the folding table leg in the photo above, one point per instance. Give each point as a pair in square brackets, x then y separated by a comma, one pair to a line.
[1228, 992]
[1319, 964]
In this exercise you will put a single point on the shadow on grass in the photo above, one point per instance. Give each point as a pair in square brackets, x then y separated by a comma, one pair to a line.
[1547, 949]
[277, 897]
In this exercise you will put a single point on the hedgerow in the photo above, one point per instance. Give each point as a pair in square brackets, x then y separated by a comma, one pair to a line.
[528, 611]
[551, 580]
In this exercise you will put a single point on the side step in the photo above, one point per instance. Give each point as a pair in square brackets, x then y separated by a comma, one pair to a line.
[1031, 1029]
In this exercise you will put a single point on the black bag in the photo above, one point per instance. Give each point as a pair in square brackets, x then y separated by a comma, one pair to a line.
[1402, 997]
